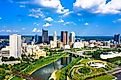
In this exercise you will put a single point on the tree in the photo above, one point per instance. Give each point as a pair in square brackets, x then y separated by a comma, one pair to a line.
[12, 58]
[4, 58]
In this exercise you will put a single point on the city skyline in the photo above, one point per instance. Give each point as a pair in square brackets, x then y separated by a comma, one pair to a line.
[85, 18]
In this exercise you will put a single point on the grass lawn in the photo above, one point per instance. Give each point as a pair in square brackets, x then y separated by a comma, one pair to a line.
[17, 78]
[105, 77]
[41, 63]
[64, 72]
[81, 72]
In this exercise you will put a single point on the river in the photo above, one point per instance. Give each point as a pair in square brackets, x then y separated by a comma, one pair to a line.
[118, 75]
[45, 72]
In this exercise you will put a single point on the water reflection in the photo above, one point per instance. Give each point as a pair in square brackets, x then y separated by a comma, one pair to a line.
[118, 75]
[45, 72]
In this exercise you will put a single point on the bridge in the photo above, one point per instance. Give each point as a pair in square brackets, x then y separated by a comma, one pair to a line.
[78, 54]
[114, 71]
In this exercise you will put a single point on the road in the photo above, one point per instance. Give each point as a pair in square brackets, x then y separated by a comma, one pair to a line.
[80, 53]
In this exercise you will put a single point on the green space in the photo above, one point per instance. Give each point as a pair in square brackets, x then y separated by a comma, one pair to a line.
[5, 71]
[21, 66]
[28, 66]
[16, 78]
[41, 63]
[104, 77]
[96, 54]
[64, 72]
[83, 71]
[116, 60]
[80, 70]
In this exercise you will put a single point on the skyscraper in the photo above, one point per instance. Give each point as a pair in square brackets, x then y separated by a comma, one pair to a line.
[54, 36]
[71, 38]
[15, 45]
[64, 37]
[45, 38]
[53, 44]
[117, 38]
[36, 38]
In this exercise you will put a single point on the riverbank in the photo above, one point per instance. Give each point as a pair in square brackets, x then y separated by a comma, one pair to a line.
[42, 62]
[64, 72]
[16, 78]
[53, 76]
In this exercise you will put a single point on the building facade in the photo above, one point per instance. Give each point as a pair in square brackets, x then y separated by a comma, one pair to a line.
[64, 37]
[71, 39]
[54, 36]
[117, 38]
[36, 39]
[15, 45]
[45, 38]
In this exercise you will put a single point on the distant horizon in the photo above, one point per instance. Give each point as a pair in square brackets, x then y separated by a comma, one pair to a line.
[68, 35]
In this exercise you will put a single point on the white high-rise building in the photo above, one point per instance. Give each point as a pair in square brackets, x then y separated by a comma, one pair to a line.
[72, 37]
[54, 36]
[15, 45]
[53, 44]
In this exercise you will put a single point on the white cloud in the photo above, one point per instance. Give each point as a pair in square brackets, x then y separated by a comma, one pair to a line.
[56, 4]
[33, 15]
[36, 24]
[99, 6]
[8, 31]
[49, 3]
[15, 31]
[36, 30]
[118, 20]
[24, 2]
[36, 13]
[47, 24]
[63, 11]
[23, 28]
[87, 4]
[86, 24]
[79, 14]
[67, 13]
[0, 18]
[22, 6]
[68, 23]
[61, 21]
[2, 30]
[49, 19]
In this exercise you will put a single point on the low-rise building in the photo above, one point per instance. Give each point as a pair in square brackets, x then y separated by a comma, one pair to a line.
[97, 64]
[5, 52]
[59, 44]
[53, 44]
[91, 45]
[35, 51]
[78, 45]
[108, 55]
[67, 47]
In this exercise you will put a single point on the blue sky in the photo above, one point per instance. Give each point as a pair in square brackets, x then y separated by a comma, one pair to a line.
[84, 17]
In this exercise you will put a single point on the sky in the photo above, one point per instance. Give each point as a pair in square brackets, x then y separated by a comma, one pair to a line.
[84, 17]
